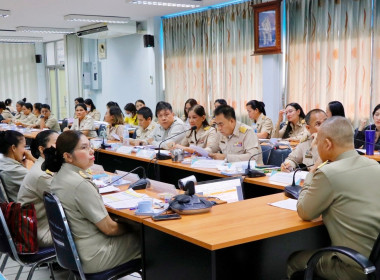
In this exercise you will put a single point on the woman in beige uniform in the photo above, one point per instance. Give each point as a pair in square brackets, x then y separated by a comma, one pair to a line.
[115, 120]
[36, 182]
[83, 122]
[101, 243]
[30, 118]
[5, 113]
[295, 127]
[204, 136]
[256, 112]
[91, 110]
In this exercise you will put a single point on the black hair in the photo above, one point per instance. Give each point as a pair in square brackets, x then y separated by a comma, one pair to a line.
[257, 105]
[112, 103]
[162, 105]
[146, 112]
[79, 99]
[310, 113]
[9, 138]
[38, 106]
[200, 111]
[88, 101]
[192, 103]
[41, 139]
[221, 101]
[117, 114]
[21, 103]
[45, 106]
[28, 106]
[139, 100]
[302, 116]
[131, 108]
[81, 105]
[227, 111]
[24, 100]
[66, 143]
[376, 108]
[336, 109]
[8, 102]
[2, 105]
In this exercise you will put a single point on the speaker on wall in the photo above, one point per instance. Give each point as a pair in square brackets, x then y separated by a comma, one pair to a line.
[148, 41]
[38, 58]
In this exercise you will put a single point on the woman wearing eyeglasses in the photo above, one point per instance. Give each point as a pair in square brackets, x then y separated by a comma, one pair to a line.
[101, 242]
[295, 126]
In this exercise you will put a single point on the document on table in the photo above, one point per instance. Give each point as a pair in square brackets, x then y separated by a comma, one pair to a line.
[108, 189]
[206, 163]
[227, 190]
[125, 199]
[287, 178]
[290, 204]
[199, 150]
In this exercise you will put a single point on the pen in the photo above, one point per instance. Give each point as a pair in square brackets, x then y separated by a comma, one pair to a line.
[133, 208]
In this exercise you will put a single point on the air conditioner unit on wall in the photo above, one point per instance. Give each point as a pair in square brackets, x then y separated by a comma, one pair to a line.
[106, 30]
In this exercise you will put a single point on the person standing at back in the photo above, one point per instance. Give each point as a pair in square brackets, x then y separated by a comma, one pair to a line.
[345, 191]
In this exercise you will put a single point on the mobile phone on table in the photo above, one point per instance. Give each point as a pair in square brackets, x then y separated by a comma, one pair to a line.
[166, 217]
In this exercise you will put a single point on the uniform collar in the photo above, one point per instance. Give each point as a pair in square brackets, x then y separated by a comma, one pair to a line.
[71, 167]
[11, 160]
[261, 118]
[236, 130]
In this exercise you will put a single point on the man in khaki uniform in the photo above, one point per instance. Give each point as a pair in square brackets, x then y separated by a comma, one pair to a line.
[47, 120]
[146, 126]
[305, 153]
[237, 142]
[346, 193]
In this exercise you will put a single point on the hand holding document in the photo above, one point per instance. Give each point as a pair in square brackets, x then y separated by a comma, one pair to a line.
[199, 150]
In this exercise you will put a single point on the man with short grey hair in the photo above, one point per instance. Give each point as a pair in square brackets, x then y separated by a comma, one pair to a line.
[345, 190]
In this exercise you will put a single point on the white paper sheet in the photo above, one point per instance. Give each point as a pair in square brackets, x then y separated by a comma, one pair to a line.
[287, 178]
[290, 204]
[108, 189]
[206, 163]
[199, 150]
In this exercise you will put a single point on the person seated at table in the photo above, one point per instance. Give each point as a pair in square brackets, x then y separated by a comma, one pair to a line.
[8, 104]
[115, 127]
[19, 116]
[146, 126]
[91, 110]
[101, 243]
[78, 100]
[256, 112]
[139, 104]
[217, 103]
[46, 119]
[168, 126]
[6, 115]
[335, 108]
[83, 122]
[345, 191]
[204, 136]
[30, 118]
[13, 163]
[306, 153]
[130, 115]
[294, 129]
[237, 142]
[36, 182]
[188, 104]
[360, 132]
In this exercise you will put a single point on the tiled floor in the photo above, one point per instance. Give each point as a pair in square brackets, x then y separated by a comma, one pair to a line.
[43, 273]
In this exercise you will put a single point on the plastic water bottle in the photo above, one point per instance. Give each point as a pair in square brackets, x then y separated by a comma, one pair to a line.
[254, 127]
[126, 136]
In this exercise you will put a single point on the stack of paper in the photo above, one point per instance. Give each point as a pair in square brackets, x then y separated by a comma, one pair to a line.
[290, 204]
[287, 178]
[125, 199]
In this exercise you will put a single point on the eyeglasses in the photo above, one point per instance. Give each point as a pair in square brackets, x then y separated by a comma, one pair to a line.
[289, 112]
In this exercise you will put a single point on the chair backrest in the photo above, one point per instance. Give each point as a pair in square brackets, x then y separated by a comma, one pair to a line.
[134, 135]
[265, 152]
[64, 124]
[278, 156]
[3, 193]
[102, 129]
[67, 255]
[374, 257]
[7, 245]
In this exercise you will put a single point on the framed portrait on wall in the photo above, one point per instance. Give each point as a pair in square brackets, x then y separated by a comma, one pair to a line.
[267, 27]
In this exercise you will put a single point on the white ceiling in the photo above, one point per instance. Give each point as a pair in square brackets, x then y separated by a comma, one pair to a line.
[50, 13]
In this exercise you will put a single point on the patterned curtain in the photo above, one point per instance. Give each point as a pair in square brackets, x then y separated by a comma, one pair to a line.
[207, 56]
[329, 55]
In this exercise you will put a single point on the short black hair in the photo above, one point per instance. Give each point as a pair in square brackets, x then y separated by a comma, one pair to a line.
[146, 112]
[221, 101]
[81, 105]
[227, 111]
[45, 106]
[140, 100]
[79, 99]
[257, 105]
[88, 101]
[37, 106]
[2, 105]
[28, 106]
[162, 105]
[336, 109]
[310, 113]
[131, 108]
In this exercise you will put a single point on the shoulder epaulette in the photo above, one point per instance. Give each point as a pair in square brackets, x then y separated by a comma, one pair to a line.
[84, 175]
[243, 129]
[206, 128]
[323, 164]
[303, 121]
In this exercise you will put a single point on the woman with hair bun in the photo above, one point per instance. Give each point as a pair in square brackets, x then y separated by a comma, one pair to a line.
[256, 112]
[13, 164]
[101, 243]
[36, 182]
[83, 122]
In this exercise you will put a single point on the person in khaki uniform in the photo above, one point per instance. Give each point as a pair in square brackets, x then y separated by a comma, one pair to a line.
[204, 136]
[237, 142]
[146, 126]
[5, 113]
[46, 120]
[115, 127]
[306, 153]
[345, 192]
[91, 110]
[19, 113]
[83, 122]
[36, 182]
[101, 242]
[30, 118]
[294, 129]
[256, 112]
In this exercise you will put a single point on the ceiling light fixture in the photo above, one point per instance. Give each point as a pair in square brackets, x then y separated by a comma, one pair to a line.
[45, 30]
[164, 4]
[5, 13]
[20, 39]
[89, 18]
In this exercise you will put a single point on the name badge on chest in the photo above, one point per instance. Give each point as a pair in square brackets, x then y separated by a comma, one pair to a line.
[238, 144]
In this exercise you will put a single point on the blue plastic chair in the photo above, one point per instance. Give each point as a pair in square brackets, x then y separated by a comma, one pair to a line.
[44, 255]
[64, 244]
[265, 149]
[278, 156]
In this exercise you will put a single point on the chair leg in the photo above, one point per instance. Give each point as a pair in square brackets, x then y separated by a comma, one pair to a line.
[4, 263]
[19, 272]
[30, 275]
[51, 270]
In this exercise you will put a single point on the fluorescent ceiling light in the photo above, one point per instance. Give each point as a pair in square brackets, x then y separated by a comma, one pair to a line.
[88, 18]
[165, 4]
[5, 13]
[20, 39]
[45, 29]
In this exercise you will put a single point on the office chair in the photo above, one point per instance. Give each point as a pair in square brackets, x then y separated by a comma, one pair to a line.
[278, 156]
[265, 149]
[134, 135]
[64, 124]
[44, 255]
[67, 254]
[3, 198]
